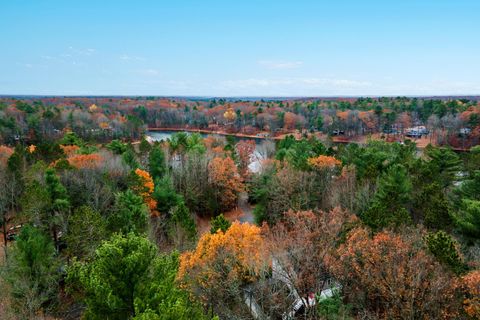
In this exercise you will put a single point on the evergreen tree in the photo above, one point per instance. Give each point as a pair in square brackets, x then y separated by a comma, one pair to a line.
[86, 228]
[127, 279]
[144, 146]
[130, 158]
[389, 204]
[470, 188]
[165, 195]
[181, 218]
[129, 213]
[32, 272]
[58, 206]
[219, 223]
[468, 219]
[433, 207]
[444, 248]
[444, 165]
[156, 162]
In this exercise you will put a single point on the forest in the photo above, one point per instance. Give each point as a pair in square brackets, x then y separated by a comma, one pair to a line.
[359, 208]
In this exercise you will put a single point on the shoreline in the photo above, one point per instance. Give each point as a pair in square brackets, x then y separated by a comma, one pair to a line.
[421, 143]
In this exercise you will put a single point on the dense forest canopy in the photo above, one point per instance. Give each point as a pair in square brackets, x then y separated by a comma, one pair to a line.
[358, 208]
[454, 122]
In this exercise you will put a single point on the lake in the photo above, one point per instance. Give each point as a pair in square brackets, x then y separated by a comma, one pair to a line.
[263, 147]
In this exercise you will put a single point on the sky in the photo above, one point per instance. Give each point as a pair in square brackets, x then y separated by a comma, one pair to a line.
[240, 48]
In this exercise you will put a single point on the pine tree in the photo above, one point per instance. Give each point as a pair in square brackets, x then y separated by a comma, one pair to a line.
[433, 207]
[444, 164]
[468, 219]
[156, 162]
[59, 204]
[129, 213]
[219, 223]
[444, 248]
[181, 218]
[32, 272]
[389, 205]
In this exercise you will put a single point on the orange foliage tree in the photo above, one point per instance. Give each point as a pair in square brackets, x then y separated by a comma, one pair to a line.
[145, 188]
[226, 182]
[394, 277]
[221, 263]
[85, 161]
[69, 150]
[5, 153]
[324, 162]
[471, 283]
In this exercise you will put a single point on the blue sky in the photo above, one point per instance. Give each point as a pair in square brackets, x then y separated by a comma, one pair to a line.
[240, 48]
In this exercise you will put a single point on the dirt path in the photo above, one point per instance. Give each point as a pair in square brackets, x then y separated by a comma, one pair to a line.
[243, 213]
[246, 208]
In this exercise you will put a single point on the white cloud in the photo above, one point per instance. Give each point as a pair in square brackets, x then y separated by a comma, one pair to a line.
[271, 64]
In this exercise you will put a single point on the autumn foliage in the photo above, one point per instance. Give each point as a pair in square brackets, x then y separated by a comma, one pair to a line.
[394, 276]
[145, 188]
[236, 255]
[85, 161]
[223, 175]
[245, 150]
[69, 150]
[5, 153]
[324, 162]
[471, 283]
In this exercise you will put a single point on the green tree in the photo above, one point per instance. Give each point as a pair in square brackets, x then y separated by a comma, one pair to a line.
[470, 188]
[86, 228]
[117, 147]
[445, 249]
[433, 207]
[182, 224]
[127, 279]
[156, 162]
[32, 272]
[389, 204]
[59, 204]
[165, 195]
[444, 165]
[129, 213]
[219, 223]
[144, 146]
[468, 219]
[130, 158]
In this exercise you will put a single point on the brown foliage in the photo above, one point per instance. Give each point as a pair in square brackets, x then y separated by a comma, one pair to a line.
[394, 277]
[245, 150]
[301, 243]
[471, 284]
[224, 177]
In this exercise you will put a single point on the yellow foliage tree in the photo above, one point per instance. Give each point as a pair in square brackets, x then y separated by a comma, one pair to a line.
[220, 259]
[230, 115]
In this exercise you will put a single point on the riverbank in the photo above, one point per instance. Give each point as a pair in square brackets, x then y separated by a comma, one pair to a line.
[421, 142]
